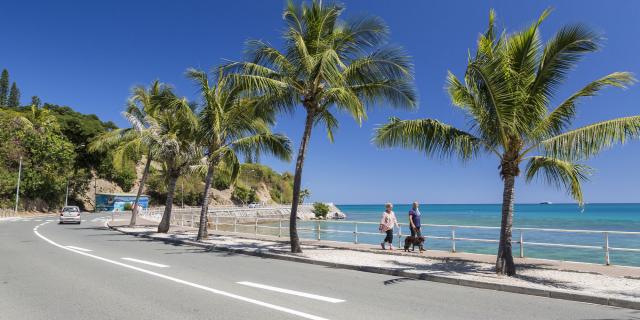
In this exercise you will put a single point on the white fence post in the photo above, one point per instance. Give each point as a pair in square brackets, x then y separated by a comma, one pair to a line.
[606, 249]
[216, 222]
[256, 230]
[318, 229]
[521, 244]
[355, 234]
[453, 239]
[280, 227]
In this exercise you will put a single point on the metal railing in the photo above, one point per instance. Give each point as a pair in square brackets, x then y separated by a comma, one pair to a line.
[235, 222]
[518, 234]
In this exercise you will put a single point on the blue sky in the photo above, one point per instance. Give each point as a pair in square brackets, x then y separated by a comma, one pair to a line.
[88, 54]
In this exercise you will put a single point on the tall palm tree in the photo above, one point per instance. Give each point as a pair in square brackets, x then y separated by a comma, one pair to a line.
[230, 124]
[507, 92]
[175, 131]
[326, 62]
[130, 143]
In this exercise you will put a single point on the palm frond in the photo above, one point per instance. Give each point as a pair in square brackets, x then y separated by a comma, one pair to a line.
[559, 173]
[560, 118]
[429, 136]
[585, 142]
[560, 55]
[330, 122]
[277, 145]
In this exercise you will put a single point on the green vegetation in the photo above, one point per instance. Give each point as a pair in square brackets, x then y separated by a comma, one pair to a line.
[244, 195]
[4, 87]
[14, 96]
[255, 176]
[52, 141]
[506, 92]
[327, 64]
[320, 210]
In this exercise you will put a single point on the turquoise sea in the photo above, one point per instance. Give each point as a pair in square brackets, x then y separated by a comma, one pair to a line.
[606, 217]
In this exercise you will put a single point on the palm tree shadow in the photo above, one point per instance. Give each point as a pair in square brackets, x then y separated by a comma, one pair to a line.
[397, 280]
[456, 267]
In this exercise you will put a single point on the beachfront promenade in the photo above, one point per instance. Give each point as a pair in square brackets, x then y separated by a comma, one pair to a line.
[128, 277]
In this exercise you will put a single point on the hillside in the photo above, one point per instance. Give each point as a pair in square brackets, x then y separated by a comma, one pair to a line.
[256, 183]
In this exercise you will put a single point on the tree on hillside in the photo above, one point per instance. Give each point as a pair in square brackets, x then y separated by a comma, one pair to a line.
[35, 101]
[326, 62]
[47, 157]
[507, 92]
[4, 87]
[14, 96]
[305, 194]
[230, 124]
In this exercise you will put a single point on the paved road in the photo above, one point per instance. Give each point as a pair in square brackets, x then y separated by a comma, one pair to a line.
[87, 272]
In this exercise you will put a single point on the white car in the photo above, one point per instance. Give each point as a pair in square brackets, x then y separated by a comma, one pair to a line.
[254, 205]
[70, 214]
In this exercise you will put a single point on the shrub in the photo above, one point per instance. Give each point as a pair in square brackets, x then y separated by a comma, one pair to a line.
[243, 194]
[128, 206]
[320, 209]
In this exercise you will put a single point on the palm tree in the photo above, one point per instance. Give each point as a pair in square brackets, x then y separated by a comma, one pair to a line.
[506, 92]
[304, 195]
[326, 62]
[130, 143]
[230, 124]
[175, 131]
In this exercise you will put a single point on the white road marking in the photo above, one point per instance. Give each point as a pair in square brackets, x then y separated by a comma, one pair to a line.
[184, 282]
[80, 249]
[292, 292]
[147, 262]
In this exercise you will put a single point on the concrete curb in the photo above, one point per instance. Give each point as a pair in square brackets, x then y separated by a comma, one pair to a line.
[554, 294]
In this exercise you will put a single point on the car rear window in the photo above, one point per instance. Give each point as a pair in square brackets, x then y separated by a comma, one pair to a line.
[70, 209]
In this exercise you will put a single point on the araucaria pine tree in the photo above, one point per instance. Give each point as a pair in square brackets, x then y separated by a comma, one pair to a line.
[4, 87]
[14, 96]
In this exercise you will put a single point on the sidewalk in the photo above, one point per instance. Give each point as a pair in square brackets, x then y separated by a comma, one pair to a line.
[607, 285]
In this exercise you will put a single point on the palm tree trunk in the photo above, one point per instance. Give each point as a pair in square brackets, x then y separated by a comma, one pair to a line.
[202, 230]
[504, 263]
[145, 173]
[163, 227]
[297, 182]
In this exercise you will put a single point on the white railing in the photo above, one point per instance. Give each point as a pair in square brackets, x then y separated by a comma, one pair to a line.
[518, 233]
[256, 218]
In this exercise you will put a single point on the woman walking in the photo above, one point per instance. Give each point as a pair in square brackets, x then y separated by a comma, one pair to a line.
[386, 225]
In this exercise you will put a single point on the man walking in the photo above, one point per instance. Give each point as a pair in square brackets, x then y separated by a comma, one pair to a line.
[414, 222]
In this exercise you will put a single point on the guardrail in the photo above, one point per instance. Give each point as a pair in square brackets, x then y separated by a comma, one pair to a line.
[190, 218]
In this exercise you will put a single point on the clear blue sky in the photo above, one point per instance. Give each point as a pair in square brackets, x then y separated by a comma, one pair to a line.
[88, 54]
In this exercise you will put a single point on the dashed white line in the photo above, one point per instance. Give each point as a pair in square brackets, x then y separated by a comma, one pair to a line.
[147, 262]
[292, 292]
[80, 249]
[184, 282]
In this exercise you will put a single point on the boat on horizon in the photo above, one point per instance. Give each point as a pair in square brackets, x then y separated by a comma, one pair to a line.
[546, 202]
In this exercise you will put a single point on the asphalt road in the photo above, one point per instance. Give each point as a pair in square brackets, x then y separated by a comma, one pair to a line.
[51, 271]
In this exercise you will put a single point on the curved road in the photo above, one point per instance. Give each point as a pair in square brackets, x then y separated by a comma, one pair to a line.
[51, 271]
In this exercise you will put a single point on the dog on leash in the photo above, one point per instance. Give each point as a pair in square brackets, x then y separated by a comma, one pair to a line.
[413, 242]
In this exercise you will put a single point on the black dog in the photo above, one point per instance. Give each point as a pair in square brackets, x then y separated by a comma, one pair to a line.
[415, 241]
